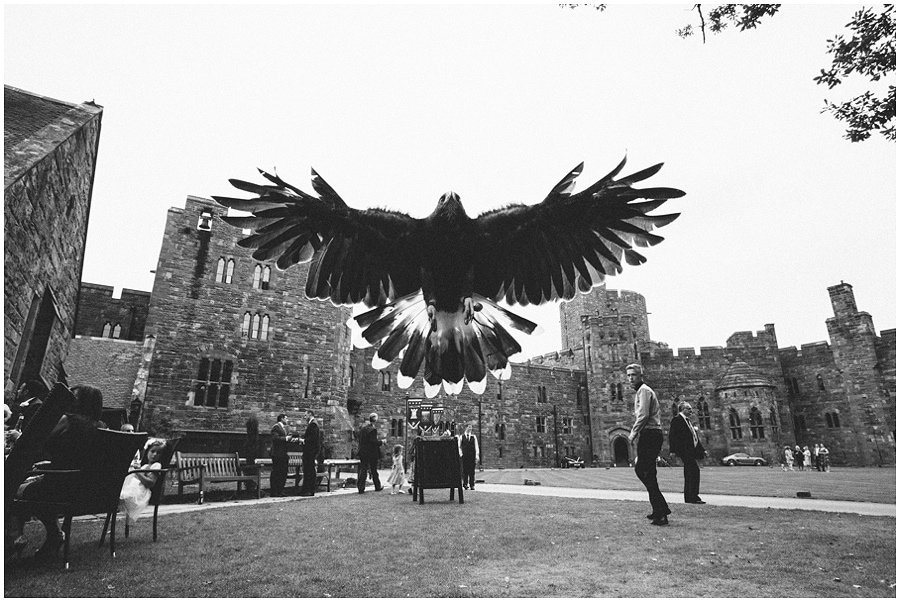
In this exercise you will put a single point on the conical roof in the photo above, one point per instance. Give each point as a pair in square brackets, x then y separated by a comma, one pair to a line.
[740, 374]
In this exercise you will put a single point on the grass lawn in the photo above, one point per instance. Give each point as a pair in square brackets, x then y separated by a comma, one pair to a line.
[847, 484]
[494, 545]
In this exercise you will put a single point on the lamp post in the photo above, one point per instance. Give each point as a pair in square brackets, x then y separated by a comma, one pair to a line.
[480, 458]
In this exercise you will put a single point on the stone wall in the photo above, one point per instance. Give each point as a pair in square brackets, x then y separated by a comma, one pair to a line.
[49, 158]
[300, 361]
[98, 309]
[111, 365]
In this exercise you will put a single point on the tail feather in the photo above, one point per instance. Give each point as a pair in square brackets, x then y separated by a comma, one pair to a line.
[453, 352]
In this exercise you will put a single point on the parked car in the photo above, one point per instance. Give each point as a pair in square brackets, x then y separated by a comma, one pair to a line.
[568, 462]
[742, 459]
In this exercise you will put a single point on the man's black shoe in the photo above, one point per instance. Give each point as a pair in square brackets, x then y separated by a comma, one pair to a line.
[652, 516]
[306, 494]
[379, 488]
[696, 502]
[659, 522]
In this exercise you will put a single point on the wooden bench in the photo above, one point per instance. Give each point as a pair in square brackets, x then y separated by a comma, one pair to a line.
[191, 468]
[295, 471]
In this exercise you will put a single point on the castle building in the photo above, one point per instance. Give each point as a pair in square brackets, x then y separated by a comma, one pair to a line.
[225, 337]
[50, 152]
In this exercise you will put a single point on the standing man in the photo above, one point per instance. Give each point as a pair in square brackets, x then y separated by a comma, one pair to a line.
[468, 449]
[310, 442]
[369, 454]
[28, 401]
[647, 430]
[280, 440]
[684, 443]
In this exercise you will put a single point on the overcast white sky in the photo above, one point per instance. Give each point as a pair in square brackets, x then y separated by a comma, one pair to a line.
[394, 105]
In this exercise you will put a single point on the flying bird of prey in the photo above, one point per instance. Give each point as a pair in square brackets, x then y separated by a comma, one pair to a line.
[433, 284]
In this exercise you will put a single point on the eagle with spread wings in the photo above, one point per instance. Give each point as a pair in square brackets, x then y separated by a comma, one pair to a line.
[433, 285]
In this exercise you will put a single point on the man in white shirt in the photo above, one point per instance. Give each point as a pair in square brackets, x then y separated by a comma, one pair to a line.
[685, 443]
[647, 430]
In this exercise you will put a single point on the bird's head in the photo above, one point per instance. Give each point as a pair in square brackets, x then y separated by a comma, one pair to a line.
[449, 207]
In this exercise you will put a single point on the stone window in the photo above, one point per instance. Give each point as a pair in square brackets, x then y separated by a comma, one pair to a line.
[385, 381]
[612, 392]
[255, 326]
[117, 331]
[821, 382]
[245, 326]
[734, 422]
[352, 375]
[619, 391]
[261, 277]
[757, 430]
[832, 420]
[308, 382]
[213, 384]
[396, 427]
[567, 426]
[541, 424]
[500, 431]
[107, 328]
[773, 421]
[542, 394]
[224, 270]
[796, 386]
[703, 417]
[500, 391]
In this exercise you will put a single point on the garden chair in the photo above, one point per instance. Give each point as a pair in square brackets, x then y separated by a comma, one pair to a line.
[159, 489]
[96, 486]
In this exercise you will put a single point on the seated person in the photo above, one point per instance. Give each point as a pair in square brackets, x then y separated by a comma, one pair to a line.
[66, 448]
[28, 401]
[135, 496]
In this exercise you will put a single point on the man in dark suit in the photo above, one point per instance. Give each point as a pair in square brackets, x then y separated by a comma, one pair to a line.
[684, 442]
[310, 442]
[28, 401]
[369, 454]
[468, 449]
[280, 440]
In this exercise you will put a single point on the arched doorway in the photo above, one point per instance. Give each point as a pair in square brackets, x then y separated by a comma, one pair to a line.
[620, 451]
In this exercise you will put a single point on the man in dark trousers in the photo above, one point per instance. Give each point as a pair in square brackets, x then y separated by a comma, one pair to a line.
[369, 454]
[280, 440]
[468, 449]
[684, 443]
[310, 442]
[647, 430]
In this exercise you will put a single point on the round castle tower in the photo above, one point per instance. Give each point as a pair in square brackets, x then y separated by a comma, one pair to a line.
[602, 303]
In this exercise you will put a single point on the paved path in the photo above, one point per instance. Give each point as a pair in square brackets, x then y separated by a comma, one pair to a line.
[781, 503]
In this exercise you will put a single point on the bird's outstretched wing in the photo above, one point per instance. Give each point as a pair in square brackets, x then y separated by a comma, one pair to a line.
[368, 256]
[568, 242]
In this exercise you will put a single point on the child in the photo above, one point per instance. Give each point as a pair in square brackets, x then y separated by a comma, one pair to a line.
[397, 478]
[135, 496]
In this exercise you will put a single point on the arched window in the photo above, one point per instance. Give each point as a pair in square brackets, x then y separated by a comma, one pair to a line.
[308, 382]
[619, 391]
[107, 328]
[257, 275]
[703, 418]
[220, 270]
[828, 420]
[229, 271]
[837, 420]
[117, 331]
[612, 392]
[821, 382]
[264, 284]
[245, 326]
[264, 329]
[734, 422]
[757, 430]
[254, 327]
[385, 381]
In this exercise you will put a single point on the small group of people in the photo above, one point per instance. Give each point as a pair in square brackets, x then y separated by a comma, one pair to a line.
[683, 442]
[370, 455]
[804, 459]
[311, 446]
[67, 448]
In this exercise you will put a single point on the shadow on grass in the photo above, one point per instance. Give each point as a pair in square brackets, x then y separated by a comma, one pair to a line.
[494, 545]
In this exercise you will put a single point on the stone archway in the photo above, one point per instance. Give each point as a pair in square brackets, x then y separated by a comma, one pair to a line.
[621, 451]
